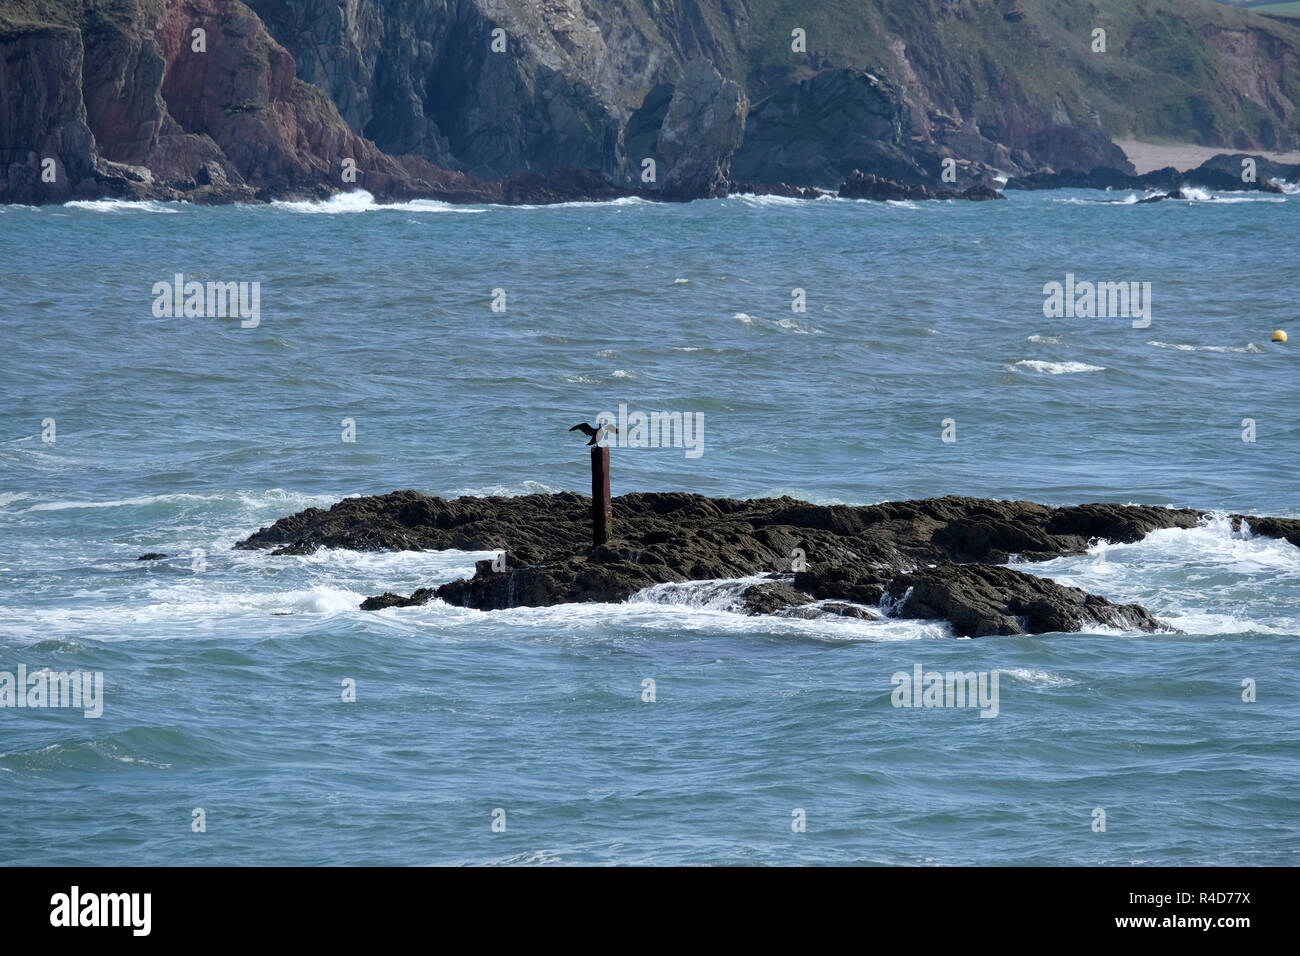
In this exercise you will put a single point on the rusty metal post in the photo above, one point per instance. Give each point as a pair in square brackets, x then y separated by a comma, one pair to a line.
[602, 511]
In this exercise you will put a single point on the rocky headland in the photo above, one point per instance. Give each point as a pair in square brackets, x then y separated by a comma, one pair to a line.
[940, 558]
[511, 101]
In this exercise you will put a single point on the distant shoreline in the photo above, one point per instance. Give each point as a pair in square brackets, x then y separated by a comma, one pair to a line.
[1146, 157]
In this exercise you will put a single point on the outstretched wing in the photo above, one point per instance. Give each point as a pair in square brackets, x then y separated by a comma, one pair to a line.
[585, 429]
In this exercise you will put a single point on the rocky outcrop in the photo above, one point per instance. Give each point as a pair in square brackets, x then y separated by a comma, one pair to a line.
[776, 189]
[1285, 528]
[1222, 172]
[934, 558]
[704, 124]
[816, 130]
[563, 184]
[862, 185]
[980, 600]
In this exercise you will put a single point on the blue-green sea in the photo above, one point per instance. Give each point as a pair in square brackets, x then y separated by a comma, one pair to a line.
[378, 362]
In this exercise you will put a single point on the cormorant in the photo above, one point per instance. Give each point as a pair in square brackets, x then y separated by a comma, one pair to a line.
[595, 434]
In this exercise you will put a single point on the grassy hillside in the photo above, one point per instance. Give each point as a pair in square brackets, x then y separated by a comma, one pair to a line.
[1173, 69]
[1291, 9]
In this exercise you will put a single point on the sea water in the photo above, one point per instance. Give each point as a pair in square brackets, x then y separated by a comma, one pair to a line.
[836, 351]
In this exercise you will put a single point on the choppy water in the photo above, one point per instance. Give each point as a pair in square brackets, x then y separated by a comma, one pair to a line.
[224, 669]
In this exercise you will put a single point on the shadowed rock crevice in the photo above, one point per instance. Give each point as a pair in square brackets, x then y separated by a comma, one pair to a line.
[936, 558]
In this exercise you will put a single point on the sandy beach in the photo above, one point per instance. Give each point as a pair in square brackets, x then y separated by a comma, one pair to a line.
[1148, 156]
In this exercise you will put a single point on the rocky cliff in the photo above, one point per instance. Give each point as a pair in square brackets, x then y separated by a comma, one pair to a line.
[217, 101]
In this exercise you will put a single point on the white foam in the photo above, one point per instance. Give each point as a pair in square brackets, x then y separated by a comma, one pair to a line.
[1204, 580]
[256, 499]
[586, 203]
[714, 606]
[358, 200]
[577, 622]
[749, 199]
[124, 205]
[1250, 348]
[724, 594]
[1199, 194]
[1037, 678]
[508, 491]
[1130, 200]
[1044, 340]
[1057, 368]
[798, 327]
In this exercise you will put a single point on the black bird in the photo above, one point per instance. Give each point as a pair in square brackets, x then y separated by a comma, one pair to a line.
[595, 434]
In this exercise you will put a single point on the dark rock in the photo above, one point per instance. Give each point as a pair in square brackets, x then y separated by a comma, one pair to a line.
[563, 184]
[151, 556]
[981, 192]
[980, 600]
[770, 598]
[704, 125]
[861, 185]
[1285, 528]
[816, 130]
[830, 609]
[848, 610]
[389, 599]
[848, 582]
[1100, 177]
[776, 189]
[1230, 164]
[1222, 172]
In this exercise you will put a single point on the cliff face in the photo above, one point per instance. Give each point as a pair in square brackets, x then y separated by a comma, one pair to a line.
[1014, 84]
[43, 115]
[138, 110]
[446, 97]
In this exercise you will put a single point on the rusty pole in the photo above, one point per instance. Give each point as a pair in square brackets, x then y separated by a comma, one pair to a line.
[602, 512]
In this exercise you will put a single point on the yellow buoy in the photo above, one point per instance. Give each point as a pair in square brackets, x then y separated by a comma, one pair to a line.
[1279, 336]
